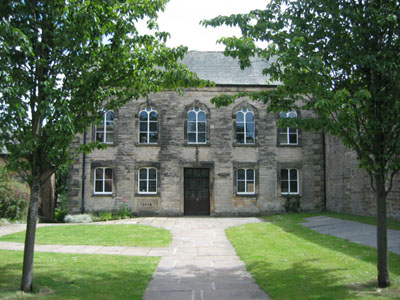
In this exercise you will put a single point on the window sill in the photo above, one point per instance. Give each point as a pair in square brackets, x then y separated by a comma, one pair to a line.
[109, 145]
[245, 145]
[148, 195]
[102, 195]
[147, 145]
[289, 145]
[246, 195]
[291, 195]
[197, 145]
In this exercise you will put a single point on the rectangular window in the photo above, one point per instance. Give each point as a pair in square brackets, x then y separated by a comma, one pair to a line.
[289, 182]
[147, 183]
[103, 178]
[246, 181]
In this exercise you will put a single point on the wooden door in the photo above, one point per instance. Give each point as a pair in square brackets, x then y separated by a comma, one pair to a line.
[196, 191]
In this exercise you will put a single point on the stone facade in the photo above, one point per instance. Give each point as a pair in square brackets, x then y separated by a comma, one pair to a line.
[221, 155]
[348, 187]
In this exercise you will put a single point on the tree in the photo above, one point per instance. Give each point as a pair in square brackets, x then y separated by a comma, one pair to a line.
[340, 60]
[60, 63]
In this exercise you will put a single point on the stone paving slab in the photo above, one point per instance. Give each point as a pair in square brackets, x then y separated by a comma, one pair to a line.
[352, 231]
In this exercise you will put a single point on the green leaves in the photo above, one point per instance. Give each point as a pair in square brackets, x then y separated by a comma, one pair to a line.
[61, 62]
[337, 59]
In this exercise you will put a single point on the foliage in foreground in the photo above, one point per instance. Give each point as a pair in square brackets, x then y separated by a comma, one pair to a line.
[73, 276]
[14, 197]
[290, 262]
[104, 235]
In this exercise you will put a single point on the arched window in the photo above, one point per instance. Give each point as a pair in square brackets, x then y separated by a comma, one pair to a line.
[103, 178]
[289, 181]
[245, 131]
[104, 130]
[147, 183]
[288, 135]
[148, 126]
[246, 181]
[196, 126]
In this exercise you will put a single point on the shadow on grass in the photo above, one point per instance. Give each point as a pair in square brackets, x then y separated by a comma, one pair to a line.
[65, 276]
[299, 281]
[290, 224]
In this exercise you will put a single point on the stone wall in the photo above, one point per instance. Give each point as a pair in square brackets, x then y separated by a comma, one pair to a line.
[221, 155]
[348, 187]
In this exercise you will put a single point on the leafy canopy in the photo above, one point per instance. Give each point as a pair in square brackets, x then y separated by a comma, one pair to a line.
[62, 61]
[339, 59]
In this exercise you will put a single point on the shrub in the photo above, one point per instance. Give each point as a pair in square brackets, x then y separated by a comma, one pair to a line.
[61, 209]
[60, 215]
[14, 197]
[84, 218]
[105, 216]
[124, 211]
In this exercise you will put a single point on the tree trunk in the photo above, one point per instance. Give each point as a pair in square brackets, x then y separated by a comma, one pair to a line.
[27, 272]
[383, 267]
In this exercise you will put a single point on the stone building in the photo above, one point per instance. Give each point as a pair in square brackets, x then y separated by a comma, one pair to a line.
[348, 188]
[177, 155]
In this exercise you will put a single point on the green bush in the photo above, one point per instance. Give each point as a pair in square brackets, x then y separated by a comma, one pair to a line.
[105, 215]
[14, 197]
[124, 211]
[61, 209]
[60, 215]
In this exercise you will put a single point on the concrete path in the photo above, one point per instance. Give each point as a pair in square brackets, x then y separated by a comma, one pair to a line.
[199, 264]
[356, 232]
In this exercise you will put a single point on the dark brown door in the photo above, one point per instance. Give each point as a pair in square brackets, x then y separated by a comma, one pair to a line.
[197, 194]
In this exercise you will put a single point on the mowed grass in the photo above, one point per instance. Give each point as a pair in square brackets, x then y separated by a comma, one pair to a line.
[77, 276]
[290, 262]
[104, 235]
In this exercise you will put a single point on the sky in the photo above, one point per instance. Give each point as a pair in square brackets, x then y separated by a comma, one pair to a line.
[181, 19]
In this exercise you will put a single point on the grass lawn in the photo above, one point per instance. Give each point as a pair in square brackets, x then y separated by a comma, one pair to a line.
[77, 276]
[104, 235]
[290, 262]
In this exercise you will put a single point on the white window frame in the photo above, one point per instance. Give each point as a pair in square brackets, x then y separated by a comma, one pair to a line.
[245, 126]
[104, 131]
[103, 180]
[148, 110]
[287, 133]
[147, 181]
[289, 192]
[196, 132]
[245, 181]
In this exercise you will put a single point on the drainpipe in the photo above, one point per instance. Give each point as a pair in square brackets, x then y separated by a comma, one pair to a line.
[83, 175]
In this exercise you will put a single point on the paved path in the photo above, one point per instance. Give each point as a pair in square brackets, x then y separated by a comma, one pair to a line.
[199, 264]
[352, 231]
[203, 264]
